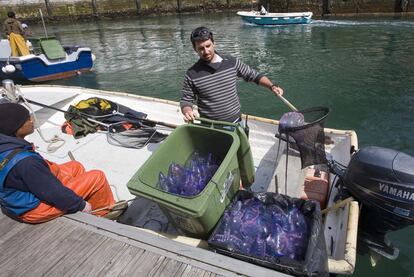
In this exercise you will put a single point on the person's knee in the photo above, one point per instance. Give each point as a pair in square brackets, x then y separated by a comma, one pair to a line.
[98, 173]
[99, 176]
[76, 166]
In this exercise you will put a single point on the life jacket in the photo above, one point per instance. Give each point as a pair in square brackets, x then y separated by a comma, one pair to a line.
[15, 201]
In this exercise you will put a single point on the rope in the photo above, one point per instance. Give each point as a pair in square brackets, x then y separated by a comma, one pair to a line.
[51, 148]
[110, 207]
[338, 205]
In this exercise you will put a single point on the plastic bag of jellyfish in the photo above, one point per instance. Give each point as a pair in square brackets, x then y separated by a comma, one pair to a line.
[273, 230]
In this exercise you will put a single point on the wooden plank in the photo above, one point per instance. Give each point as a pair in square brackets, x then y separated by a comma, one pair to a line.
[99, 258]
[76, 255]
[141, 265]
[159, 265]
[148, 263]
[186, 271]
[30, 238]
[181, 270]
[201, 258]
[168, 268]
[120, 261]
[207, 274]
[56, 250]
[66, 247]
[8, 228]
[195, 272]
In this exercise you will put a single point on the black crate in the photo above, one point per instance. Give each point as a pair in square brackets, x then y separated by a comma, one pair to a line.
[315, 262]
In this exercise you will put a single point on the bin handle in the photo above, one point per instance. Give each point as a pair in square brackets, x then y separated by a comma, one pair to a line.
[212, 123]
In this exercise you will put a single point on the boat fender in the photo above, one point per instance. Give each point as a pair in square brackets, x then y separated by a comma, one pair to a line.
[93, 57]
[8, 68]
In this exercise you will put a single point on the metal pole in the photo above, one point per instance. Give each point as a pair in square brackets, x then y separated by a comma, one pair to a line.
[48, 8]
[138, 3]
[94, 8]
[43, 21]
[179, 6]
[326, 7]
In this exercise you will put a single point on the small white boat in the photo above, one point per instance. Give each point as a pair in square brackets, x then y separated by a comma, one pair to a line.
[120, 164]
[276, 18]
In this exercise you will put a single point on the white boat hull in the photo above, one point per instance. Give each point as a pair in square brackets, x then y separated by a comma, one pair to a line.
[120, 164]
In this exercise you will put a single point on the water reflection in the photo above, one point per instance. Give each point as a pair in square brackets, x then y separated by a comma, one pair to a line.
[346, 64]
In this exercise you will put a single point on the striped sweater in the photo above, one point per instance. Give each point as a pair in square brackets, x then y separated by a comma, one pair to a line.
[213, 87]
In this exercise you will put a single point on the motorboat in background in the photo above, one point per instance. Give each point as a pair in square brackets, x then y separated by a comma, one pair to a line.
[49, 60]
[267, 18]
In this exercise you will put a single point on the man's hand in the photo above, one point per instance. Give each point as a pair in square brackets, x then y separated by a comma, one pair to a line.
[264, 81]
[277, 90]
[188, 114]
[88, 208]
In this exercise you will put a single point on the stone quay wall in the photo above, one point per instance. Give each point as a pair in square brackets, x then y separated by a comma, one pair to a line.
[84, 9]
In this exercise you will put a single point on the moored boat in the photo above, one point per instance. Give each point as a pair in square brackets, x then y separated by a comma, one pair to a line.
[120, 163]
[255, 17]
[49, 60]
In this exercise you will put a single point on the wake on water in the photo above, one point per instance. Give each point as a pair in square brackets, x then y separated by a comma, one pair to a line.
[370, 23]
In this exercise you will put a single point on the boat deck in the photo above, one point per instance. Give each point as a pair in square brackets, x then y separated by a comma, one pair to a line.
[81, 244]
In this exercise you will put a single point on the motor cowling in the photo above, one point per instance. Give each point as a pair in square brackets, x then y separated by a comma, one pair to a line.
[382, 180]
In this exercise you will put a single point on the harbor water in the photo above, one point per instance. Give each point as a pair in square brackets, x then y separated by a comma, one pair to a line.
[363, 69]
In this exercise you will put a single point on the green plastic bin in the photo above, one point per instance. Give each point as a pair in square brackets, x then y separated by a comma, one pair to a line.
[194, 216]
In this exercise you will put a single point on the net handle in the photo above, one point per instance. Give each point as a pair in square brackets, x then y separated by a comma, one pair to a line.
[284, 100]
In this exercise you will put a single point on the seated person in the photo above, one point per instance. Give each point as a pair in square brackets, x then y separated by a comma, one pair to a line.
[35, 190]
[263, 11]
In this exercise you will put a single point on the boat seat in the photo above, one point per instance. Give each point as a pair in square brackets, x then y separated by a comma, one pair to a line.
[52, 49]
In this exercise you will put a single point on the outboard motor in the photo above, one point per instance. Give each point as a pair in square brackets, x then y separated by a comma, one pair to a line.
[383, 181]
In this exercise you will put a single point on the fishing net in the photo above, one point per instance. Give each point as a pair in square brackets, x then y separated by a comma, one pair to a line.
[135, 138]
[304, 130]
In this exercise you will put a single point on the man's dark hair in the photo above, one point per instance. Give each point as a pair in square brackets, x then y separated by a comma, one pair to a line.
[11, 15]
[201, 34]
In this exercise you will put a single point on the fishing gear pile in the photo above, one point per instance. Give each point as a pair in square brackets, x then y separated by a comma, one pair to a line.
[123, 126]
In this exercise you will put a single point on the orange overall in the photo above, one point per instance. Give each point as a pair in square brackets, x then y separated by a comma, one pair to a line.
[91, 186]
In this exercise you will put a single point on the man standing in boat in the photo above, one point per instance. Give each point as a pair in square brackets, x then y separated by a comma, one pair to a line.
[35, 190]
[15, 33]
[263, 11]
[211, 81]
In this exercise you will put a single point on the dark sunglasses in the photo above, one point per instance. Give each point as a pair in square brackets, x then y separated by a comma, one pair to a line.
[203, 34]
